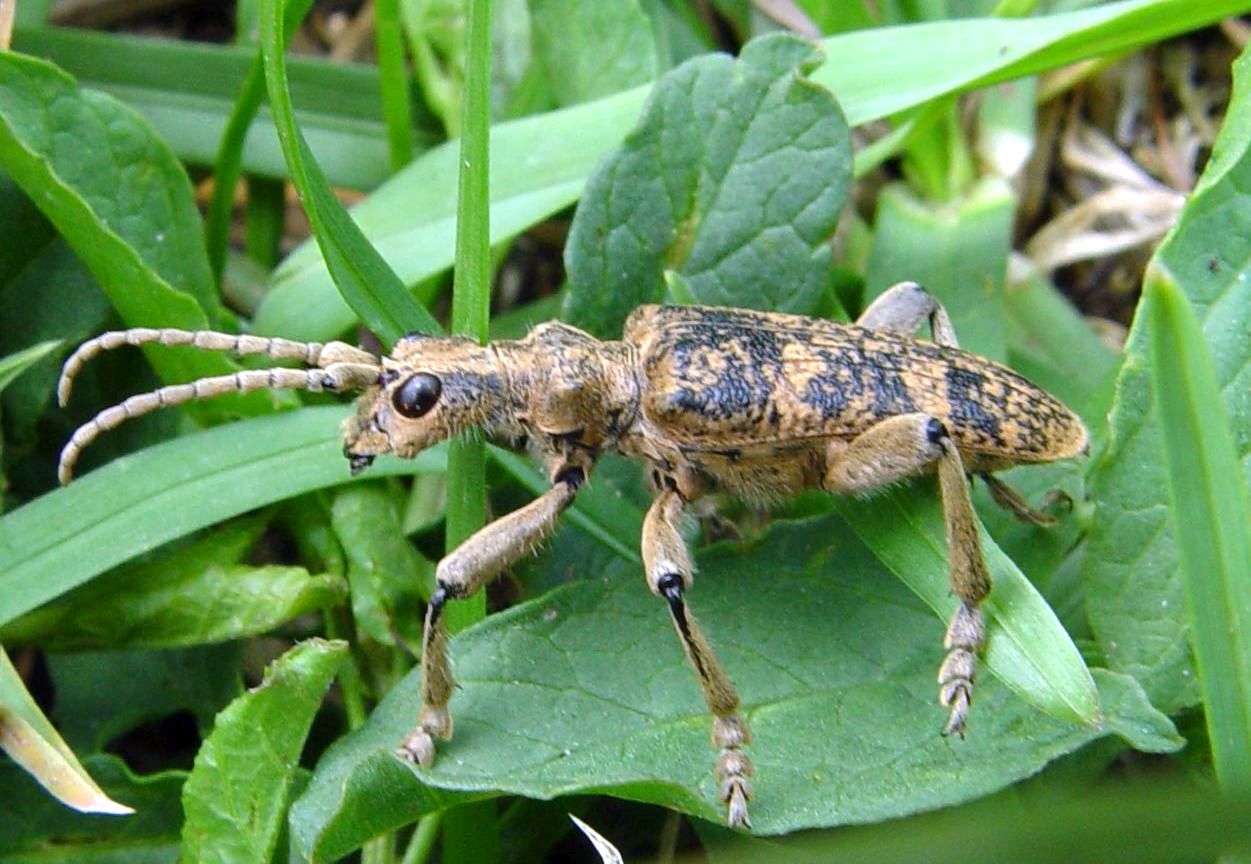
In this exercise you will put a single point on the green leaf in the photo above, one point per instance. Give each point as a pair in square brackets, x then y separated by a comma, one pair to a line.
[121, 201]
[361, 274]
[592, 49]
[236, 796]
[1027, 647]
[32, 742]
[1212, 522]
[734, 178]
[388, 577]
[99, 171]
[194, 595]
[102, 695]
[43, 831]
[70, 308]
[540, 164]
[13, 365]
[136, 503]
[586, 690]
[228, 164]
[1148, 820]
[188, 90]
[1135, 598]
[1050, 343]
[958, 250]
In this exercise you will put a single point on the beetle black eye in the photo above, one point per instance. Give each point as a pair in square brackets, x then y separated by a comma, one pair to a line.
[417, 395]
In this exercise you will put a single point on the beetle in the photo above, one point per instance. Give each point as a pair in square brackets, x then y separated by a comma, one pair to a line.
[710, 399]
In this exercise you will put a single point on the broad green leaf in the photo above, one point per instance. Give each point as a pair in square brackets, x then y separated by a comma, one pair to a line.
[194, 595]
[361, 274]
[586, 690]
[1212, 522]
[388, 577]
[187, 91]
[38, 830]
[540, 164]
[98, 171]
[733, 178]
[121, 201]
[102, 695]
[236, 796]
[592, 49]
[138, 502]
[32, 742]
[1135, 600]
[958, 250]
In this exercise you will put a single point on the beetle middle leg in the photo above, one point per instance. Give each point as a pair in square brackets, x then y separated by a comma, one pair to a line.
[900, 447]
[462, 574]
[669, 574]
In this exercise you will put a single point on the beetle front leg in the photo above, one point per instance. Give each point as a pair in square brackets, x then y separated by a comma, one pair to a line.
[462, 574]
[669, 574]
[900, 447]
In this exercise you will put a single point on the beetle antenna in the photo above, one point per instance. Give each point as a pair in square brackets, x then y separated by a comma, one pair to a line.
[337, 367]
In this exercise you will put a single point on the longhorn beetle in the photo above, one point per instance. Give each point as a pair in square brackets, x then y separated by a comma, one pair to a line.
[756, 404]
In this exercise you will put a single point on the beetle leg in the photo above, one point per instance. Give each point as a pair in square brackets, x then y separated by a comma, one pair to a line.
[903, 308]
[899, 447]
[1014, 502]
[669, 574]
[462, 574]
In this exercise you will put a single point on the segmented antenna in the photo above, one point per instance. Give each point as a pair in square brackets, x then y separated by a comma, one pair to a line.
[337, 366]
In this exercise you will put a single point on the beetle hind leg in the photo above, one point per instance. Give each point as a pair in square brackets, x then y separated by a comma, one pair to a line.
[669, 574]
[900, 447]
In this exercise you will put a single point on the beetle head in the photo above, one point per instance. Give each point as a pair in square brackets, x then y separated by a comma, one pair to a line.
[430, 389]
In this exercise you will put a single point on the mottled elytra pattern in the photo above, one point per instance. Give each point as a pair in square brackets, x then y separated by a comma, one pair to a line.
[735, 378]
[758, 404]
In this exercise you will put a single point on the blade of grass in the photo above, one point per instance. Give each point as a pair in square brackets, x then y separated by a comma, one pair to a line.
[138, 502]
[1212, 522]
[364, 280]
[470, 831]
[393, 78]
[228, 166]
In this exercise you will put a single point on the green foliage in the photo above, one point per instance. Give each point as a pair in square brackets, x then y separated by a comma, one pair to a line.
[236, 796]
[1136, 604]
[722, 183]
[586, 690]
[734, 178]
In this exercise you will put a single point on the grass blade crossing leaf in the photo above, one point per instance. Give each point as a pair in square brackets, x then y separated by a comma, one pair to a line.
[366, 282]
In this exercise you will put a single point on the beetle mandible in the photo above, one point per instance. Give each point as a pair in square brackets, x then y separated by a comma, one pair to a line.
[757, 404]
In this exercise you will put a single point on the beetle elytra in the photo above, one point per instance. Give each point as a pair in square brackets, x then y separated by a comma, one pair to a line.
[756, 404]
